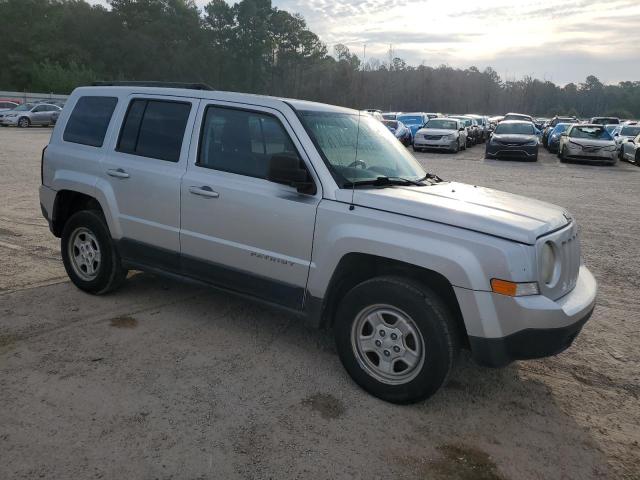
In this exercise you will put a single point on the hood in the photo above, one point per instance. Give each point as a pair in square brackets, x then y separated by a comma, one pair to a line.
[436, 131]
[513, 139]
[591, 142]
[484, 210]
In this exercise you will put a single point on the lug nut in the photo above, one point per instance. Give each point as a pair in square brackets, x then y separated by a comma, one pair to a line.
[378, 343]
[394, 336]
[396, 349]
[387, 353]
[382, 333]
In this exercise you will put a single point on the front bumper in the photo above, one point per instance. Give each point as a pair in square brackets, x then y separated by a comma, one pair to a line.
[435, 144]
[502, 329]
[582, 155]
[9, 121]
[511, 151]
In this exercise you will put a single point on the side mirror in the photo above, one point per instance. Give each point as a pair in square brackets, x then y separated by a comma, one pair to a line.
[287, 170]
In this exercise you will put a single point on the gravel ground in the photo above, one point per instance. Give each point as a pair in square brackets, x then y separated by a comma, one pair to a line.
[167, 380]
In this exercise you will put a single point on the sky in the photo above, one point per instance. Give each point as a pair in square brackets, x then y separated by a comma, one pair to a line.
[558, 40]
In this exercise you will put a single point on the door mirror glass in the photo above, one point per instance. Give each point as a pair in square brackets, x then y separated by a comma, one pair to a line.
[286, 169]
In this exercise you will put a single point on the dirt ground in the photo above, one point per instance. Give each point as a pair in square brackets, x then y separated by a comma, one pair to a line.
[167, 380]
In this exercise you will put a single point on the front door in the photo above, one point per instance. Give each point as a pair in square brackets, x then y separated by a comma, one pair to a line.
[239, 230]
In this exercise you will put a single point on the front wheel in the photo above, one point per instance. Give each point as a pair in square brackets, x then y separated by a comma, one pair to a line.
[89, 254]
[396, 339]
[24, 122]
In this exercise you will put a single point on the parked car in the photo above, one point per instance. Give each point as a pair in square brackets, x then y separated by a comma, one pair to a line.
[413, 121]
[612, 128]
[401, 132]
[513, 139]
[554, 137]
[518, 116]
[319, 210]
[473, 132]
[623, 134]
[630, 150]
[483, 125]
[390, 115]
[552, 124]
[541, 123]
[441, 134]
[29, 114]
[587, 142]
[6, 105]
[604, 120]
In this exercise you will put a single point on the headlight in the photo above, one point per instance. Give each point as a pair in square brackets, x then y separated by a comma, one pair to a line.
[531, 143]
[612, 148]
[448, 137]
[11, 115]
[548, 263]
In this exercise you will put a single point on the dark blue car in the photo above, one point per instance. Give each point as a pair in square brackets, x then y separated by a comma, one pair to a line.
[553, 141]
[413, 121]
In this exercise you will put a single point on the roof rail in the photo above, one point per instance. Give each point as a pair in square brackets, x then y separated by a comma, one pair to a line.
[190, 86]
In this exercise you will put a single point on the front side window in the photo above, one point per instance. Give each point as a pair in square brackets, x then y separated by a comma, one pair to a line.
[630, 131]
[154, 129]
[359, 148]
[89, 120]
[242, 141]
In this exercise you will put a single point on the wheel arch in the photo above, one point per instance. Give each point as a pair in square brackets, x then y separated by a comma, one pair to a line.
[355, 268]
[68, 202]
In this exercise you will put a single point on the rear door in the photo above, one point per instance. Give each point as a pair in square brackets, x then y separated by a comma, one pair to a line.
[40, 115]
[143, 170]
[239, 230]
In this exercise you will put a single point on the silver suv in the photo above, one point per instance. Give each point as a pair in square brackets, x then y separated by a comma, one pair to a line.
[318, 210]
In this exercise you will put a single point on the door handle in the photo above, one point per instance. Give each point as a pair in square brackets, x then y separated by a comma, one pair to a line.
[204, 192]
[118, 173]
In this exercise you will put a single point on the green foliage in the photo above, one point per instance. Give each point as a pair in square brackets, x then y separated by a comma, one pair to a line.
[252, 46]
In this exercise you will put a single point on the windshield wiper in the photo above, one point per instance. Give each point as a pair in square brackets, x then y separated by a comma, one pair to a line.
[430, 176]
[384, 181]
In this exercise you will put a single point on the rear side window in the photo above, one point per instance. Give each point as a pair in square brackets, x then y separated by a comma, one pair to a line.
[242, 142]
[154, 129]
[89, 120]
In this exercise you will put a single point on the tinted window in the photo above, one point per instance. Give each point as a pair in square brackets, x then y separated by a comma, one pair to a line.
[89, 120]
[242, 142]
[630, 131]
[514, 129]
[154, 128]
[443, 124]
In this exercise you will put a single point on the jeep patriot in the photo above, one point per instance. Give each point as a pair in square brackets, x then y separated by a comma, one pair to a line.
[318, 210]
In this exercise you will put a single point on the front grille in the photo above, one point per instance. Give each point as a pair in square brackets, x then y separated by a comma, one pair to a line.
[432, 137]
[567, 248]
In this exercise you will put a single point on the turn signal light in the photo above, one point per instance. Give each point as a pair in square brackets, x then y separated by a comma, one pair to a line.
[513, 289]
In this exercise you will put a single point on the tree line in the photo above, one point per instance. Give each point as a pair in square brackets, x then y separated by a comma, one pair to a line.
[252, 46]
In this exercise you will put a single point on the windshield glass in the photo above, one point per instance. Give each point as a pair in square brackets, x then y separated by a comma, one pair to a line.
[591, 133]
[630, 131]
[514, 129]
[358, 147]
[560, 128]
[442, 124]
[24, 107]
[411, 119]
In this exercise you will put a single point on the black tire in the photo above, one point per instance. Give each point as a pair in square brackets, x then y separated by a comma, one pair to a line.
[24, 122]
[429, 315]
[561, 154]
[110, 273]
[456, 149]
[636, 159]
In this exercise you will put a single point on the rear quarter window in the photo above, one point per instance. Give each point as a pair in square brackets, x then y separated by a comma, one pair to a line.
[88, 122]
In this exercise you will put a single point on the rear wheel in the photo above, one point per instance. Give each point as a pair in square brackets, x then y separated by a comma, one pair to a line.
[636, 159]
[396, 339]
[24, 122]
[89, 254]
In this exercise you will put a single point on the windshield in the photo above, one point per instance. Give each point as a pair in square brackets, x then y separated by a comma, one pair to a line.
[358, 148]
[411, 119]
[630, 131]
[442, 124]
[24, 107]
[560, 128]
[591, 133]
[514, 129]
[518, 117]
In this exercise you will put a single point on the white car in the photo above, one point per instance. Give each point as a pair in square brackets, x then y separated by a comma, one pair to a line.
[630, 150]
[442, 134]
[587, 142]
[625, 133]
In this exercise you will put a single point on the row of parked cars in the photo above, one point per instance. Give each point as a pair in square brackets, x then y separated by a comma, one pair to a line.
[41, 112]
[435, 130]
[604, 138]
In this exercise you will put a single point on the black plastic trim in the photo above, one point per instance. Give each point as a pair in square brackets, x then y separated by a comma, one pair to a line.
[526, 344]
